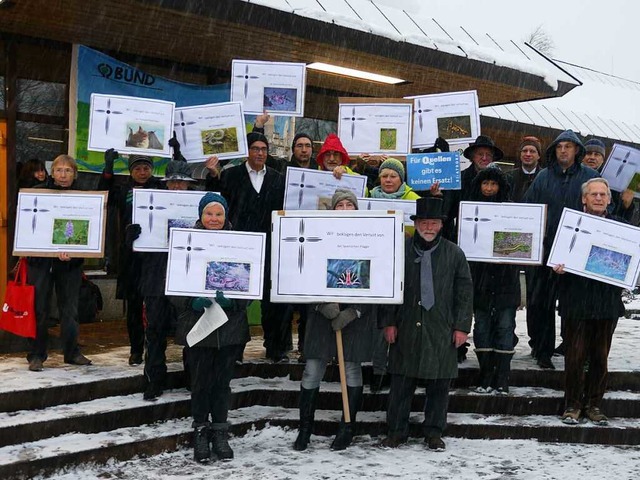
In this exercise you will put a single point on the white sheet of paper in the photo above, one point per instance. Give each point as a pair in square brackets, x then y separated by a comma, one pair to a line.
[337, 256]
[202, 262]
[277, 87]
[307, 189]
[156, 211]
[375, 128]
[622, 169]
[407, 207]
[213, 129]
[53, 221]
[502, 232]
[131, 125]
[597, 248]
[212, 319]
[454, 116]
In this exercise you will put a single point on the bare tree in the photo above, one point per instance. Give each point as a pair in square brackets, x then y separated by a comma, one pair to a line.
[541, 40]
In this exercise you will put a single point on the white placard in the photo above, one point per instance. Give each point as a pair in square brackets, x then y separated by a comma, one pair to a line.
[277, 87]
[597, 248]
[52, 221]
[337, 256]
[454, 116]
[407, 207]
[375, 128]
[131, 125]
[307, 189]
[502, 232]
[156, 211]
[622, 169]
[214, 129]
[201, 262]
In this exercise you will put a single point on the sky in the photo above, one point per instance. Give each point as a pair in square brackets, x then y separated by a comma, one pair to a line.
[596, 34]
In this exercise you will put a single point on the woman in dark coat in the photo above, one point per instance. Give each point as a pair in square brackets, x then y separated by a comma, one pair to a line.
[63, 272]
[212, 360]
[323, 319]
[496, 297]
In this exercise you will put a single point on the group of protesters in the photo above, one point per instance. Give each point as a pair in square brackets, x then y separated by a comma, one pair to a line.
[412, 344]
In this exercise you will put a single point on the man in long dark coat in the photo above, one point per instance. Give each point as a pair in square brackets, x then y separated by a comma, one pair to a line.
[426, 330]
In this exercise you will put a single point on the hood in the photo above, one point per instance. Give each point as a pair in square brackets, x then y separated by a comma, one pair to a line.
[490, 173]
[332, 143]
[566, 136]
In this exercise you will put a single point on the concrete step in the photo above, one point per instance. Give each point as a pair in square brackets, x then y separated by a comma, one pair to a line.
[49, 455]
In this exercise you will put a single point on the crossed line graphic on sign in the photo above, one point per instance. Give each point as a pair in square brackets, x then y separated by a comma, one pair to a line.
[475, 219]
[246, 77]
[301, 239]
[108, 112]
[188, 248]
[183, 124]
[35, 211]
[151, 207]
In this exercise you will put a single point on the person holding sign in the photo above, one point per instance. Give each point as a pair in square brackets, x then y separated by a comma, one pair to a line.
[212, 359]
[320, 347]
[496, 296]
[65, 274]
[590, 310]
[428, 327]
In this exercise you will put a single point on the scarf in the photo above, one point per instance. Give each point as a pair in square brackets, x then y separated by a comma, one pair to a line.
[427, 295]
[379, 193]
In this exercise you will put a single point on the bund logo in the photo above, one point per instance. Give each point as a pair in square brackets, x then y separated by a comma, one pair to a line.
[127, 75]
[6, 308]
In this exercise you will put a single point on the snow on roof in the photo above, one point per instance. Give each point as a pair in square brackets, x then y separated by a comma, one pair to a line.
[397, 24]
[602, 106]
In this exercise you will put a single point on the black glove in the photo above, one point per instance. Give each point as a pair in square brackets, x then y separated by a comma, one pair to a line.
[109, 157]
[441, 144]
[345, 317]
[200, 303]
[329, 310]
[131, 233]
[175, 144]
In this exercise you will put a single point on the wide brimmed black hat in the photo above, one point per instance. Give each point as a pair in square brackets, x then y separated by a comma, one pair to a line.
[429, 208]
[483, 141]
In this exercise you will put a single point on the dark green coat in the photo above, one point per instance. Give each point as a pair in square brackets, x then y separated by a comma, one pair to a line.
[424, 347]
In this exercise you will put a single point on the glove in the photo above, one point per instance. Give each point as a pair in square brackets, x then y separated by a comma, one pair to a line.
[345, 317]
[131, 233]
[441, 144]
[329, 310]
[109, 158]
[175, 144]
[200, 303]
[223, 301]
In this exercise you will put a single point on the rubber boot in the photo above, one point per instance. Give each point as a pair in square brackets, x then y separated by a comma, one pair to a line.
[201, 450]
[308, 398]
[219, 441]
[487, 368]
[503, 371]
[345, 430]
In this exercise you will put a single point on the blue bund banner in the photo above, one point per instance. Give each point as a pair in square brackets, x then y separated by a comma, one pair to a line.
[95, 72]
[423, 169]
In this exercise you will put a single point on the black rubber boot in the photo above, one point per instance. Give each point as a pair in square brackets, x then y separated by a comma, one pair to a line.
[345, 430]
[219, 442]
[487, 370]
[503, 372]
[201, 450]
[308, 398]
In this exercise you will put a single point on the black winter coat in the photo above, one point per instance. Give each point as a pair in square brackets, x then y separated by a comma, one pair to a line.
[357, 336]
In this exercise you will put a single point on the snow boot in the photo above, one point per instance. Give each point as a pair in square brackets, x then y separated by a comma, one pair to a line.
[486, 359]
[219, 442]
[503, 371]
[308, 398]
[201, 451]
[345, 430]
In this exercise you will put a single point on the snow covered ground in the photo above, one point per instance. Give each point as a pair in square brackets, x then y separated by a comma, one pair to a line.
[268, 454]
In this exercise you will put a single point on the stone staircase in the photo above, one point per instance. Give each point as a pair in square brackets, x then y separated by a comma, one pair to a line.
[49, 428]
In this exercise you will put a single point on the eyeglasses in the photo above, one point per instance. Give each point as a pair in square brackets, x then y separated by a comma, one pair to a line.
[259, 149]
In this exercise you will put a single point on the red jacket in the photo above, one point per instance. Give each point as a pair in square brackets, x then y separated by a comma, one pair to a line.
[332, 143]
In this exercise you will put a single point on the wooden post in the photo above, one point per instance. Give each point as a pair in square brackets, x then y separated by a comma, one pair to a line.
[343, 378]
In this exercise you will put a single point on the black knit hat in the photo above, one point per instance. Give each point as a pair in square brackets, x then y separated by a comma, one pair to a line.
[137, 159]
[254, 137]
